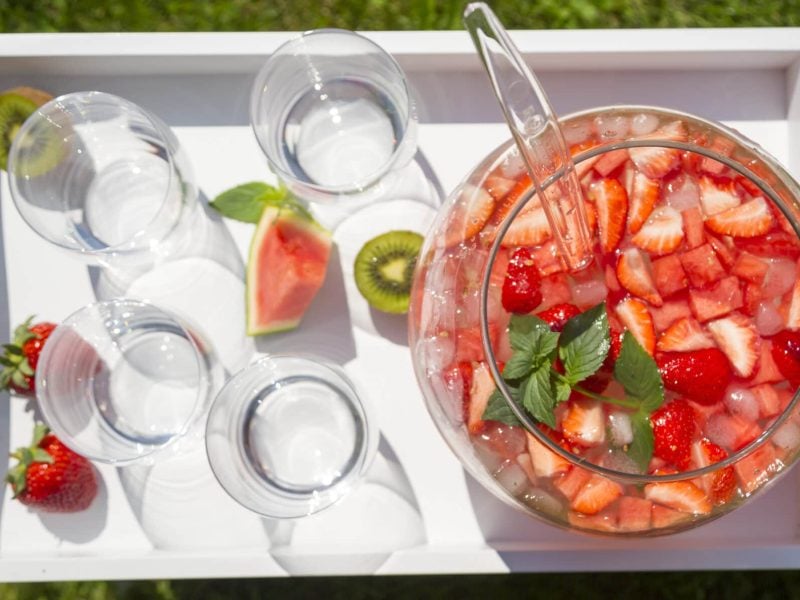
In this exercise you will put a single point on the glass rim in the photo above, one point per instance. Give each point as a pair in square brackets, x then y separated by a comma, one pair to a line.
[528, 423]
[111, 99]
[257, 100]
[149, 449]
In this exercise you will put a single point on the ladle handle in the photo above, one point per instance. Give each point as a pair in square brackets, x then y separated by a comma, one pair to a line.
[536, 132]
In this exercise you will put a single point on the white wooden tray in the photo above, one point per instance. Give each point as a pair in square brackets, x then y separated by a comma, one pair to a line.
[418, 512]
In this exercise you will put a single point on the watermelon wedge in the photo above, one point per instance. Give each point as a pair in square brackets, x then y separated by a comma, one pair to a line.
[286, 268]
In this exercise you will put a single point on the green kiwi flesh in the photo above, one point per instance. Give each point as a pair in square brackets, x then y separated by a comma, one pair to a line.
[42, 155]
[384, 269]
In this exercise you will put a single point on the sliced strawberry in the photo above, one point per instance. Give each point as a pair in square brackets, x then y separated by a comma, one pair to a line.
[699, 375]
[702, 265]
[633, 273]
[662, 232]
[736, 335]
[769, 402]
[752, 296]
[584, 423]
[720, 145]
[684, 335]
[683, 496]
[716, 301]
[725, 249]
[750, 268]
[673, 431]
[557, 316]
[498, 186]
[524, 461]
[693, 225]
[481, 388]
[657, 161]
[717, 197]
[610, 161]
[529, 228]
[611, 202]
[585, 166]
[634, 514]
[671, 311]
[663, 517]
[757, 468]
[571, 483]
[545, 462]
[785, 352]
[771, 245]
[793, 312]
[595, 495]
[469, 214]
[522, 285]
[643, 197]
[635, 317]
[767, 370]
[751, 219]
[509, 200]
[669, 275]
[719, 485]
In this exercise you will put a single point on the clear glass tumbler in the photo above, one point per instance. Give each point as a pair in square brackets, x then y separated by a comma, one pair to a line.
[121, 379]
[97, 175]
[289, 436]
[333, 114]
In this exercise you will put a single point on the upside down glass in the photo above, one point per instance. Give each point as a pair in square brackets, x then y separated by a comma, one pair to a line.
[726, 284]
[103, 178]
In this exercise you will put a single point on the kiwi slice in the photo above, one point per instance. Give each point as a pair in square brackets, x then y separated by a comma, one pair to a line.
[16, 106]
[384, 269]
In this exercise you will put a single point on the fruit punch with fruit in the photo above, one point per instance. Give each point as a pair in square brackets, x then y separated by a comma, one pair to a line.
[660, 379]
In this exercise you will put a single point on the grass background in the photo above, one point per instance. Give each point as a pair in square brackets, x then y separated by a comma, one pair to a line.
[19, 16]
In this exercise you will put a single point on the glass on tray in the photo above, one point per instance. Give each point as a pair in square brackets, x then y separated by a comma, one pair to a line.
[695, 257]
[120, 380]
[333, 114]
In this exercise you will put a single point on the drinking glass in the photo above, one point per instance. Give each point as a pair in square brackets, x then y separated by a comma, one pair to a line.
[99, 176]
[289, 436]
[121, 379]
[333, 114]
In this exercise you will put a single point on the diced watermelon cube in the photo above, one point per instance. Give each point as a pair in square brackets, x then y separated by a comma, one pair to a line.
[572, 482]
[665, 517]
[634, 513]
[755, 469]
[744, 430]
[672, 310]
[610, 161]
[555, 290]
[750, 268]
[753, 295]
[725, 249]
[669, 275]
[702, 265]
[469, 346]
[716, 301]
[769, 403]
[604, 521]
[548, 259]
[693, 227]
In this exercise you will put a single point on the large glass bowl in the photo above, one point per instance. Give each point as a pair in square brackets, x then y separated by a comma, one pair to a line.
[459, 332]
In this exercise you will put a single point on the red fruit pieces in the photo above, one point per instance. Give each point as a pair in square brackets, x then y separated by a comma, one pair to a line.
[769, 401]
[720, 484]
[693, 226]
[663, 517]
[481, 387]
[702, 265]
[522, 285]
[751, 219]
[633, 314]
[716, 301]
[22, 355]
[669, 275]
[458, 381]
[509, 200]
[555, 290]
[634, 514]
[756, 468]
[767, 370]
[699, 375]
[750, 268]
[671, 311]
[643, 197]
[470, 213]
[633, 273]
[684, 335]
[548, 259]
[557, 316]
[571, 483]
[673, 430]
[717, 196]
[498, 186]
[725, 249]
[771, 245]
[662, 233]
[658, 161]
[469, 343]
[722, 146]
[545, 462]
[610, 162]
[611, 201]
[584, 423]
[683, 496]
[786, 354]
[736, 335]
[529, 228]
[793, 312]
[595, 495]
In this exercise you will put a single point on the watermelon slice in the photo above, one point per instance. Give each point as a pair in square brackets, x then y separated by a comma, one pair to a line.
[286, 268]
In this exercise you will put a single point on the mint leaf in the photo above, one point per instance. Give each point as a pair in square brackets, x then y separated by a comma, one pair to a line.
[638, 373]
[640, 449]
[246, 202]
[533, 343]
[497, 409]
[518, 366]
[562, 389]
[585, 341]
[525, 324]
[538, 397]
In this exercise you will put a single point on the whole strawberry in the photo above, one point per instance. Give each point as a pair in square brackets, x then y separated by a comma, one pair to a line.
[50, 477]
[22, 355]
[557, 316]
[522, 285]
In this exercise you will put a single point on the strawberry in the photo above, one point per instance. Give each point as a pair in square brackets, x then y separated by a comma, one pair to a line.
[750, 268]
[683, 496]
[736, 335]
[722, 146]
[769, 401]
[498, 186]
[717, 197]
[673, 431]
[699, 375]
[669, 275]
[470, 213]
[635, 317]
[751, 219]
[509, 200]
[611, 201]
[725, 249]
[643, 198]
[572, 483]
[545, 462]
[656, 161]
[720, 484]
[584, 423]
[702, 265]
[693, 225]
[481, 387]
[684, 335]
[786, 354]
[51, 477]
[662, 233]
[756, 468]
[557, 316]
[529, 228]
[522, 284]
[771, 245]
[595, 495]
[22, 355]
[633, 273]
[610, 161]
[717, 300]
[793, 311]
[663, 517]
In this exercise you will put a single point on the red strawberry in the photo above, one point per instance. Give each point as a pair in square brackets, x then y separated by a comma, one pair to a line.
[635, 317]
[736, 335]
[610, 161]
[634, 513]
[470, 213]
[684, 335]
[673, 431]
[633, 272]
[557, 316]
[522, 285]
[771, 245]
[786, 354]
[22, 356]
[509, 200]
[545, 462]
[529, 228]
[498, 186]
[643, 198]
[717, 197]
[750, 268]
[51, 477]
[751, 219]
[722, 146]
[611, 201]
[720, 484]
[669, 275]
[481, 387]
[584, 423]
[671, 311]
[595, 495]
[726, 251]
[662, 233]
[700, 375]
[757, 468]
[683, 496]
[657, 161]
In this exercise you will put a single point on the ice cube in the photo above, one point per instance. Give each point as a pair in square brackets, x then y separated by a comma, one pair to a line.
[768, 320]
[682, 193]
[612, 127]
[577, 132]
[741, 401]
[787, 436]
[620, 461]
[512, 477]
[779, 279]
[720, 431]
[643, 124]
[589, 293]
[619, 426]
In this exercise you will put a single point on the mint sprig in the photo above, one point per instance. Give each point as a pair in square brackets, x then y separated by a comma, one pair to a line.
[246, 202]
[581, 349]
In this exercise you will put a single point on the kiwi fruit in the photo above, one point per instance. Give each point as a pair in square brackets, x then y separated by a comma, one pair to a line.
[16, 105]
[384, 269]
